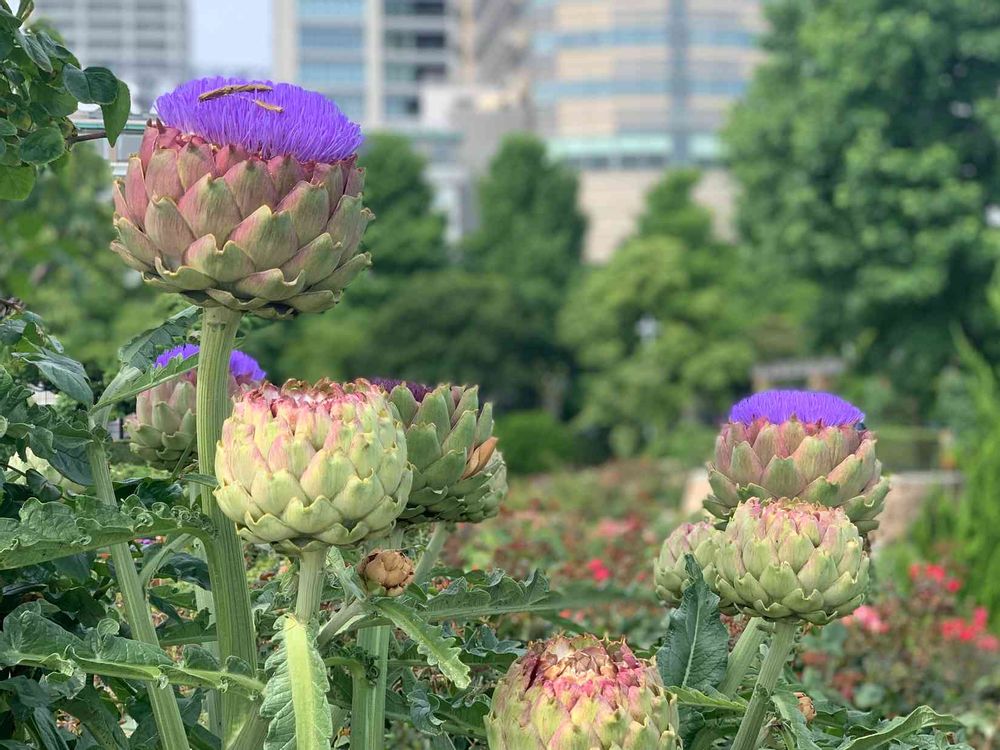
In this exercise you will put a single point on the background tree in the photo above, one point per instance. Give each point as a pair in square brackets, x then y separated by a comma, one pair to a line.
[667, 331]
[867, 152]
[531, 232]
[56, 257]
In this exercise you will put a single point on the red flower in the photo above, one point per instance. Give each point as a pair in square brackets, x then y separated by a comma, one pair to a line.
[953, 585]
[598, 570]
[988, 643]
[936, 573]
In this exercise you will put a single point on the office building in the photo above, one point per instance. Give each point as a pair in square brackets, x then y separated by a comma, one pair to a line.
[145, 42]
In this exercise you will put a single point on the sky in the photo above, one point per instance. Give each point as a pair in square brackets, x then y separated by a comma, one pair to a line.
[231, 34]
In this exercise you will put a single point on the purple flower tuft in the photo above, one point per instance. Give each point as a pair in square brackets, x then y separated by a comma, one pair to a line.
[284, 121]
[184, 351]
[805, 406]
[242, 366]
[245, 368]
[418, 390]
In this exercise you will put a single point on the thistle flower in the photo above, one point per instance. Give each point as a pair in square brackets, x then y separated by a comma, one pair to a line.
[305, 463]
[162, 431]
[245, 195]
[791, 560]
[458, 475]
[798, 444]
[581, 692]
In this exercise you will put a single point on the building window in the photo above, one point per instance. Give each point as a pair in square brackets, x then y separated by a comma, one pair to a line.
[402, 107]
[715, 37]
[415, 39]
[320, 74]
[352, 105]
[551, 90]
[331, 8]
[333, 38]
[414, 7]
[415, 72]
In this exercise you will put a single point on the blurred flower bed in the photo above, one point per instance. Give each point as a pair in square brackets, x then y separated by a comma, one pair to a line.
[915, 642]
[599, 526]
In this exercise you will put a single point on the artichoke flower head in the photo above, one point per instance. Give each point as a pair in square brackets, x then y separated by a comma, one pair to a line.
[580, 692]
[323, 463]
[245, 195]
[162, 431]
[669, 571]
[798, 444]
[458, 474]
[786, 559]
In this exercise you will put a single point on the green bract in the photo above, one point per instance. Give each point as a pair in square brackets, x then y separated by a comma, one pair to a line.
[833, 466]
[582, 693]
[322, 463]
[224, 227]
[669, 573]
[162, 430]
[794, 560]
[458, 475]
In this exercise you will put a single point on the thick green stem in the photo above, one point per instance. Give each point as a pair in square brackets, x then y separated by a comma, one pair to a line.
[431, 553]
[339, 619]
[744, 652]
[770, 671]
[226, 567]
[163, 700]
[312, 576]
[368, 698]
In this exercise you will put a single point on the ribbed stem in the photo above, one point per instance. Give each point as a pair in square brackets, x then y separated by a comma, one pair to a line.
[744, 652]
[770, 671]
[162, 699]
[368, 698]
[312, 576]
[226, 567]
[339, 619]
[434, 546]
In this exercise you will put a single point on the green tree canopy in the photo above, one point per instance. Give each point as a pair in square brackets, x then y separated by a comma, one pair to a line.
[56, 257]
[667, 331]
[868, 154]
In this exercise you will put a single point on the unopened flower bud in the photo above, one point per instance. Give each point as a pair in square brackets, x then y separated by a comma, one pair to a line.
[806, 707]
[386, 572]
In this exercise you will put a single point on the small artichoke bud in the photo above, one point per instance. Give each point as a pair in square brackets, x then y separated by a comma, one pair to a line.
[806, 707]
[791, 560]
[802, 444]
[669, 573]
[386, 572]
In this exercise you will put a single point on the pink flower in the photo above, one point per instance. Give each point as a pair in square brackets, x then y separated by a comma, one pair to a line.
[936, 573]
[869, 619]
[953, 585]
[598, 570]
[988, 643]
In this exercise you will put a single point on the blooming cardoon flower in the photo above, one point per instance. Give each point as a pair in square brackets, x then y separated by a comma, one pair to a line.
[581, 692]
[302, 463]
[458, 475]
[162, 430]
[798, 444]
[791, 560]
[245, 194]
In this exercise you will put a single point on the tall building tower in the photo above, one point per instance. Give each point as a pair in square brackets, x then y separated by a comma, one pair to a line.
[371, 56]
[145, 42]
[625, 89]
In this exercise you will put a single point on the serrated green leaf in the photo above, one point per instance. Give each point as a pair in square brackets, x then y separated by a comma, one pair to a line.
[439, 650]
[139, 381]
[16, 183]
[696, 649]
[47, 531]
[67, 375]
[896, 729]
[295, 696]
[92, 85]
[346, 574]
[43, 146]
[116, 113]
[29, 639]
